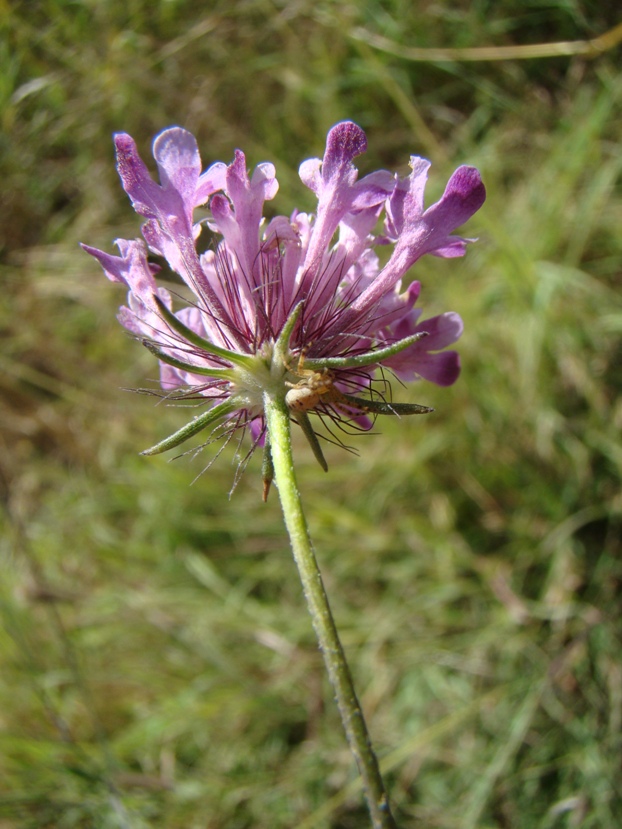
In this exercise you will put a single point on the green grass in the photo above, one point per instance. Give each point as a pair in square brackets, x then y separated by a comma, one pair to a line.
[158, 665]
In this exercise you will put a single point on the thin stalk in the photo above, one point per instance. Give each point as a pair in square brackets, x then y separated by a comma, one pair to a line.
[278, 421]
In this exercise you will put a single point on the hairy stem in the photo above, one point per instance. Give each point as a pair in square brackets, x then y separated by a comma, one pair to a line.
[277, 416]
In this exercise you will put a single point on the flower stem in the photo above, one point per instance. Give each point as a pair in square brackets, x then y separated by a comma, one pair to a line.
[277, 416]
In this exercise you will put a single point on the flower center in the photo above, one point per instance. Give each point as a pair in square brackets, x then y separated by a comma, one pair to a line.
[261, 374]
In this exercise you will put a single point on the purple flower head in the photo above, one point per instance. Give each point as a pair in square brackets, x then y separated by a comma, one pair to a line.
[298, 308]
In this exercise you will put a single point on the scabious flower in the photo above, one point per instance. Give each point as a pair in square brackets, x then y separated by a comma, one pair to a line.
[298, 308]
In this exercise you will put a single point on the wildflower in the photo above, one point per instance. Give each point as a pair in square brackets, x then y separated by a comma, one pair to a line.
[296, 308]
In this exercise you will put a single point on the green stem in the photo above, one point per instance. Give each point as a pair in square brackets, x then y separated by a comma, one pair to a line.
[278, 421]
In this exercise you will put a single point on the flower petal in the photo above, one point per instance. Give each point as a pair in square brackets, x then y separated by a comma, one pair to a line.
[170, 231]
[240, 226]
[464, 195]
[332, 180]
[442, 367]
[131, 268]
[419, 233]
[179, 164]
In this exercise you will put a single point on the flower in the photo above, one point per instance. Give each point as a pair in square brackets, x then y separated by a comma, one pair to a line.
[298, 308]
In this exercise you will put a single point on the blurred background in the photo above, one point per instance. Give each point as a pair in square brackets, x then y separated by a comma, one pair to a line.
[158, 665]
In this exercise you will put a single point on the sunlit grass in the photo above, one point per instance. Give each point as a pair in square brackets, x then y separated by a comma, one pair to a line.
[158, 666]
